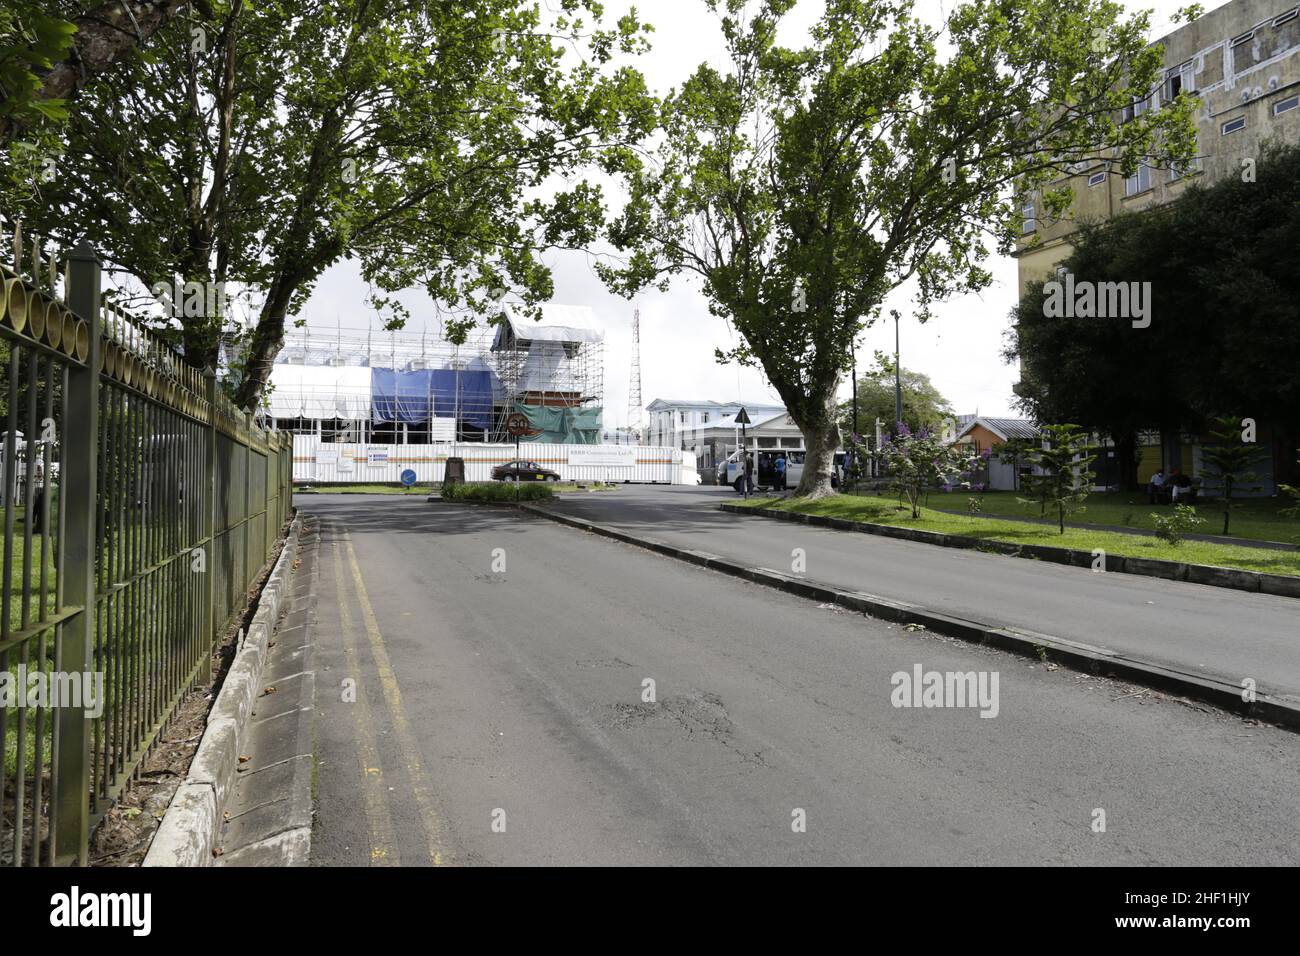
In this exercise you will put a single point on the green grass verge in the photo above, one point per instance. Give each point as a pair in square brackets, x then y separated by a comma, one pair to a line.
[361, 490]
[497, 491]
[1254, 518]
[886, 511]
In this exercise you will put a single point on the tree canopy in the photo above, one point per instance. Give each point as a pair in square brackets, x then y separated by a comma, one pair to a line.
[443, 146]
[803, 185]
[924, 407]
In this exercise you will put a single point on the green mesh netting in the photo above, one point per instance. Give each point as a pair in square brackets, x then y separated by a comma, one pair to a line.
[564, 426]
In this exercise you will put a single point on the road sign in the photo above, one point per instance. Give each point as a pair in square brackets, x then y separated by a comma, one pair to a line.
[408, 477]
[517, 424]
[742, 417]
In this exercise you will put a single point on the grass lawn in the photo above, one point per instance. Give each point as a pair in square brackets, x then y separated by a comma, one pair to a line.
[1254, 518]
[885, 510]
[39, 553]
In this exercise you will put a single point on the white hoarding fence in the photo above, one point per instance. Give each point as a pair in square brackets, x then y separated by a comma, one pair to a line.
[326, 462]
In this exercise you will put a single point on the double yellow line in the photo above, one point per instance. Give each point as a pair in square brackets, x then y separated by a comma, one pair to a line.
[383, 842]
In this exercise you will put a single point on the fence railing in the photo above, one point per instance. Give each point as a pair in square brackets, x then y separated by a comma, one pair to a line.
[139, 507]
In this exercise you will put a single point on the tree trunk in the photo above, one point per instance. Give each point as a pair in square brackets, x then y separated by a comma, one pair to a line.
[1126, 450]
[821, 435]
[105, 34]
[268, 339]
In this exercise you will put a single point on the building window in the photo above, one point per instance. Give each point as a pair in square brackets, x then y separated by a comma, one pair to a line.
[704, 417]
[683, 419]
[1096, 179]
[1243, 39]
[1233, 125]
[1139, 182]
[1180, 79]
[1030, 223]
[1287, 17]
[1136, 108]
[1286, 106]
[1178, 172]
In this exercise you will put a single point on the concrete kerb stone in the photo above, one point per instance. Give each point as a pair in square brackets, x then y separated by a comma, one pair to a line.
[188, 830]
[1210, 575]
[1072, 654]
[191, 826]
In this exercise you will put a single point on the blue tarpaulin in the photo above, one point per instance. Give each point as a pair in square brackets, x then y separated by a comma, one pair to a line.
[416, 396]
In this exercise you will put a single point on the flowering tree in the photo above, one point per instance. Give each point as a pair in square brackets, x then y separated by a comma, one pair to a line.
[917, 462]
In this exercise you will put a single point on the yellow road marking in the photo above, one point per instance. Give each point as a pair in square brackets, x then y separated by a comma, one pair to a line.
[383, 837]
[430, 818]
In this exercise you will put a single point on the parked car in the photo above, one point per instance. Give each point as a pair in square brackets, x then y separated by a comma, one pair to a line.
[521, 470]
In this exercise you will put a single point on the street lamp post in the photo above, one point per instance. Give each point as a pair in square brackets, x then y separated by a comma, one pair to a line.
[742, 418]
[898, 375]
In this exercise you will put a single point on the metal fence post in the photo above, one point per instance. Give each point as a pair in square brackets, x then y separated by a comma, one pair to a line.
[78, 473]
[210, 517]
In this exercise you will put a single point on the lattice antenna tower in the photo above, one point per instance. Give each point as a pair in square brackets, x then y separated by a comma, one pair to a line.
[634, 412]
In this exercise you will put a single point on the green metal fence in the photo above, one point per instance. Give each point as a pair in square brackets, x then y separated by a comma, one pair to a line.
[139, 508]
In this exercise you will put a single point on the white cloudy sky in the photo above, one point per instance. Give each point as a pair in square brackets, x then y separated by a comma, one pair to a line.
[958, 348]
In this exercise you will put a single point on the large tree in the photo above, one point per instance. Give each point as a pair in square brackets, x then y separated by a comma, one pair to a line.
[803, 185]
[440, 144]
[1224, 332]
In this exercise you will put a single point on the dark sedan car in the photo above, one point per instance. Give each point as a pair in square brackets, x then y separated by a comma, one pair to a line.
[521, 470]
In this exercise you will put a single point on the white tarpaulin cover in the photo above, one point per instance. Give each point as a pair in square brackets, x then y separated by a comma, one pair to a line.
[559, 323]
[312, 391]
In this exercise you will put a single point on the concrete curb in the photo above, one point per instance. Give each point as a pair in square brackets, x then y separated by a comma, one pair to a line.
[1220, 692]
[191, 827]
[1282, 585]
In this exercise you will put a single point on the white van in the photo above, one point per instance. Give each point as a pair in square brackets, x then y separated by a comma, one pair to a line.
[730, 469]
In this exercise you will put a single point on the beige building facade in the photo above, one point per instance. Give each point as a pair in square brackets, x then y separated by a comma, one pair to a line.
[1242, 61]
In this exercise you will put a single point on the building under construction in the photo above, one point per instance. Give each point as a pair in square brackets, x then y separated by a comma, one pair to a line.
[354, 385]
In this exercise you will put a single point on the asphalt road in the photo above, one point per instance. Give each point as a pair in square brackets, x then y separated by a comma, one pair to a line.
[1200, 629]
[498, 718]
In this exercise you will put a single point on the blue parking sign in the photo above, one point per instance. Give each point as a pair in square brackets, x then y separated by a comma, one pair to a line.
[408, 477]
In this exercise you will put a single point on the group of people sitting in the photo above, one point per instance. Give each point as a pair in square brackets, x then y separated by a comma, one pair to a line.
[1174, 487]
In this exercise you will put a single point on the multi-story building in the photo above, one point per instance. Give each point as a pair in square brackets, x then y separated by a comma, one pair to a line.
[1242, 62]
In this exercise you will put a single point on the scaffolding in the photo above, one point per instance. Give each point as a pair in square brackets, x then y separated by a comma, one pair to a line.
[359, 385]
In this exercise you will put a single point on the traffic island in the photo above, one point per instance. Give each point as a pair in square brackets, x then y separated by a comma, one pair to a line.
[1283, 585]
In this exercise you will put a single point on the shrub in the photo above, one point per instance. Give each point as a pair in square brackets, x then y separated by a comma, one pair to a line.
[489, 491]
[1172, 527]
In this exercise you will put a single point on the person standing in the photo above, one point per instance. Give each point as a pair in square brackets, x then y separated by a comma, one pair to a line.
[779, 467]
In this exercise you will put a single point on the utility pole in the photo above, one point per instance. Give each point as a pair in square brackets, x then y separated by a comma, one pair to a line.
[853, 352]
